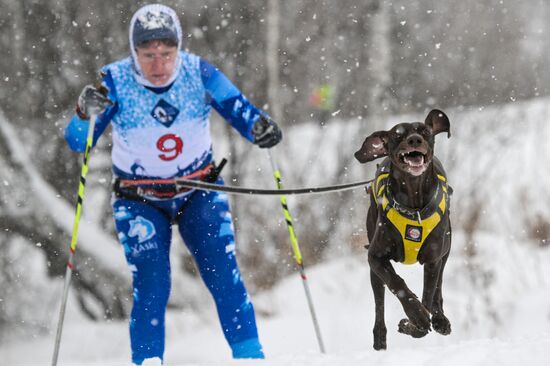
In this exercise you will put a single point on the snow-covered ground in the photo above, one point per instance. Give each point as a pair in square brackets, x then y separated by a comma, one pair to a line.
[498, 300]
[513, 329]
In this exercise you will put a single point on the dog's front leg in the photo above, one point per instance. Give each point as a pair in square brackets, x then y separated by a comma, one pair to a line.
[416, 312]
[432, 276]
[432, 272]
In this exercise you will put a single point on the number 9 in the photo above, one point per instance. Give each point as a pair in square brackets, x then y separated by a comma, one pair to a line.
[170, 144]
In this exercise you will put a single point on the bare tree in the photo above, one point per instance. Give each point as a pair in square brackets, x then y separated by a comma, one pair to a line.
[272, 58]
[26, 212]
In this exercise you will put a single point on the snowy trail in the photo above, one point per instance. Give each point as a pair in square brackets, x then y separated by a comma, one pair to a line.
[482, 352]
[344, 302]
[531, 351]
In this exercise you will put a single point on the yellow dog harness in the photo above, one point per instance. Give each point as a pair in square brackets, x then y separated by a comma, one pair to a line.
[413, 225]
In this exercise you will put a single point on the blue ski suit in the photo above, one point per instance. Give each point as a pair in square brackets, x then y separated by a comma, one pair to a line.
[164, 133]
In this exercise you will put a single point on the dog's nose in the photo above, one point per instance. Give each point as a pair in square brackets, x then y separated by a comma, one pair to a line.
[414, 140]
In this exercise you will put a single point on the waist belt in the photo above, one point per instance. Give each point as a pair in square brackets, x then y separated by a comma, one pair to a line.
[163, 188]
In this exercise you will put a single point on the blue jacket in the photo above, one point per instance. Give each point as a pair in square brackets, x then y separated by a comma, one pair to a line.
[165, 132]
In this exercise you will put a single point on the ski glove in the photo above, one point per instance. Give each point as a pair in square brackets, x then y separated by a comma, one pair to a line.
[266, 132]
[92, 100]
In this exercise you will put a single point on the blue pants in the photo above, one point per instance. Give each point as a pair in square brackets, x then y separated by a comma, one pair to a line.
[206, 226]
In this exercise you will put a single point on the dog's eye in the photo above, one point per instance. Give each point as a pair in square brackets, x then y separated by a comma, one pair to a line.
[426, 132]
[400, 130]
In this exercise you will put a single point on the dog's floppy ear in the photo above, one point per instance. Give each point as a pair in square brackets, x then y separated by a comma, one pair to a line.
[374, 147]
[438, 122]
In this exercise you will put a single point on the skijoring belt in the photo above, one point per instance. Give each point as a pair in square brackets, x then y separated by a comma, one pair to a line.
[414, 226]
[164, 188]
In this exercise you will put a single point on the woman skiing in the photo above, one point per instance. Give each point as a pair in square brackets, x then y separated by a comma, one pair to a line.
[158, 102]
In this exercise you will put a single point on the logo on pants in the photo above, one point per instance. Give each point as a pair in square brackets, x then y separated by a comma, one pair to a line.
[142, 228]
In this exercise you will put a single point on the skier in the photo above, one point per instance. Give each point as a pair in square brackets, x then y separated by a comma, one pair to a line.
[158, 101]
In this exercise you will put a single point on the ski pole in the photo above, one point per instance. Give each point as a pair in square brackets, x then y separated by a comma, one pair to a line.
[70, 265]
[296, 250]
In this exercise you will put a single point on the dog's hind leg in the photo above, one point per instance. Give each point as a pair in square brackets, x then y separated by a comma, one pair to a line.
[379, 331]
[440, 322]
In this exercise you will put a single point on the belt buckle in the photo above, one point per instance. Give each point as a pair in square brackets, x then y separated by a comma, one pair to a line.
[151, 192]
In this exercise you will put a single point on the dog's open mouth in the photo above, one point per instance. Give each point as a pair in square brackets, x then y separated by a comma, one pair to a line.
[412, 158]
[414, 161]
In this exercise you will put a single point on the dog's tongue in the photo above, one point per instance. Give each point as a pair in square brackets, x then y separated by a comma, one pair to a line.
[414, 160]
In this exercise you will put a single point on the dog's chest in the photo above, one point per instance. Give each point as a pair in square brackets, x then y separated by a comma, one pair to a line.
[412, 229]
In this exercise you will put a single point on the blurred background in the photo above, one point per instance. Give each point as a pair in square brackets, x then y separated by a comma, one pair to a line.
[330, 73]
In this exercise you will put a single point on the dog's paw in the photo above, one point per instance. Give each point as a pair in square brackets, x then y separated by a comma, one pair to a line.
[417, 313]
[379, 344]
[406, 327]
[441, 324]
[379, 338]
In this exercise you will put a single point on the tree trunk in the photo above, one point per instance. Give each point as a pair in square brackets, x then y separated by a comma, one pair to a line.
[379, 65]
[272, 59]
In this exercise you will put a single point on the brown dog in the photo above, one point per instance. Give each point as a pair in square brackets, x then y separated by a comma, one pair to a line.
[408, 221]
